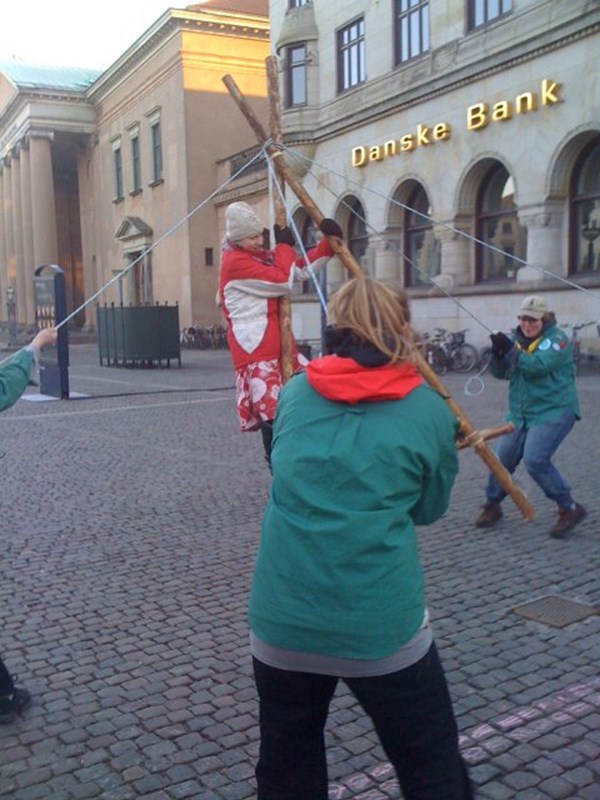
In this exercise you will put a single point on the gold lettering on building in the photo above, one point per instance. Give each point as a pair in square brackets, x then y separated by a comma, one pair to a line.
[425, 136]
[550, 91]
[479, 116]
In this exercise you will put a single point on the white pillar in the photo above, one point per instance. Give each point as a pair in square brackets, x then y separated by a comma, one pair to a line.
[27, 228]
[545, 246]
[389, 261]
[456, 258]
[15, 178]
[43, 205]
[8, 224]
[3, 258]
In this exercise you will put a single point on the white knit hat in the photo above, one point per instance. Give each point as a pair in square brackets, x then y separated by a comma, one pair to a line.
[241, 222]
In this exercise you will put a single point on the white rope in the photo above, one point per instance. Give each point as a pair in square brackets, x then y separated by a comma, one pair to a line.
[168, 232]
[296, 233]
[446, 225]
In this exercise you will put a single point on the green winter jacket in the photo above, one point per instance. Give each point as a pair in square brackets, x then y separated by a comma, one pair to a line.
[542, 382]
[14, 377]
[338, 570]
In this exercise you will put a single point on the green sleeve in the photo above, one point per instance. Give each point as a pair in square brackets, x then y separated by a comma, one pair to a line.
[440, 472]
[14, 377]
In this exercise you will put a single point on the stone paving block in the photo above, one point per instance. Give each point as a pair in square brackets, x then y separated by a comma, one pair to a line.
[558, 788]
[152, 645]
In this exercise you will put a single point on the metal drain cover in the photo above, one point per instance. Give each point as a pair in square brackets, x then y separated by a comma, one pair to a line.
[556, 610]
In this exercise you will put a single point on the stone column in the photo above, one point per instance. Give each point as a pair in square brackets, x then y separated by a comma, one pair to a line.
[456, 258]
[11, 274]
[43, 206]
[3, 259]
[389, 264]
[15, 179]
[27, 227]
[544, 243]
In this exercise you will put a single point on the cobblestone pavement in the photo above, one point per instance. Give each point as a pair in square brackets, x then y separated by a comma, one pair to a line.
[129, 525]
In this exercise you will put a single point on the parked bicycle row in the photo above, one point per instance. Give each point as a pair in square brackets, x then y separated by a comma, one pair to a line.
[208, 337]
[447, 350]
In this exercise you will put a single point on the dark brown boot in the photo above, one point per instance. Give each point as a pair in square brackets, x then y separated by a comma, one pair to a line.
[489, 516]
[567, 519]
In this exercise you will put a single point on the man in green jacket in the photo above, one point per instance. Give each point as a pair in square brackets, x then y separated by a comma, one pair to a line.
[14, 376]
[537, 360]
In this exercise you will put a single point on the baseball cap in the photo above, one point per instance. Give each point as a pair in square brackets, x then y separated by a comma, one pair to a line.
[534, 306]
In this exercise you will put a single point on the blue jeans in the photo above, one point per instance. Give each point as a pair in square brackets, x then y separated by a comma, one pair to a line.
[412, 714]
[536, 446]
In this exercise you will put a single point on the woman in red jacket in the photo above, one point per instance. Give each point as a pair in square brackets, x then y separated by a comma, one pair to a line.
[252, 279]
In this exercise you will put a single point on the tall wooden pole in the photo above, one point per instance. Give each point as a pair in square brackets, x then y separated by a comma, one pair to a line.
[286, 361]
[468, 431]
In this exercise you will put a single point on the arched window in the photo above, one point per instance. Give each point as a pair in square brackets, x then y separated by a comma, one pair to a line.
[585, 211]
[308, 233]
[358, 237]
[422, 256]
[497, 225]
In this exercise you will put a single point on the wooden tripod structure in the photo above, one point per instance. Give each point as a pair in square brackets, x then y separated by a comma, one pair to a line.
[469, 435]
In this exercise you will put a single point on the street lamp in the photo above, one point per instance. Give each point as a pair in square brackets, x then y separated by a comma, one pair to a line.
[590, 233]
[11, 313]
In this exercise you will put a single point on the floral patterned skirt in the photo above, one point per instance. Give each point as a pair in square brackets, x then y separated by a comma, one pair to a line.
[257, 387]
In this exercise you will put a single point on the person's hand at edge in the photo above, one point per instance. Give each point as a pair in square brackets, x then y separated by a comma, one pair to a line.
[331, 228]
[283, 235]
[501, 344]
[44, 338]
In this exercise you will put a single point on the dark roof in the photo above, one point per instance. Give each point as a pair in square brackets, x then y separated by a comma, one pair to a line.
[31, 76]
[259, 7]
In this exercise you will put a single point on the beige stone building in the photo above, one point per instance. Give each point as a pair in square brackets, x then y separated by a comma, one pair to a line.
[98, 170]
[419, 121]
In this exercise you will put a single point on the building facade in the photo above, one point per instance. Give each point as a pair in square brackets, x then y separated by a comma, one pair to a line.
[458, 142]
[102, 170]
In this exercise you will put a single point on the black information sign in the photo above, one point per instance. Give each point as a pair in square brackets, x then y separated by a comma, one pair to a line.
[50, 297]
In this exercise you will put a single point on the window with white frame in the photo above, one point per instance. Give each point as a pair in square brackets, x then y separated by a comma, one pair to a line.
[298, 3]
[483, 11]
[351, 55]
[500, 235]
[585, 211]
[156, 148]
[117, 163]
[136, 164]
[420, 245]
[296, 75]
[357, 234]
[411, 32]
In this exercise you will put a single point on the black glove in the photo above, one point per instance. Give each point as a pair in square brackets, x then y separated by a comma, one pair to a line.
[501, 344]
[284, 235]
[330, 228]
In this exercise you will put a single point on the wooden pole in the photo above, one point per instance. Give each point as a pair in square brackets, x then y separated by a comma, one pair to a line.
[286, 361]
[466, 428]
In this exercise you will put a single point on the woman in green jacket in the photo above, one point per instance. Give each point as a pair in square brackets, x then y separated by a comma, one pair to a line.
[14, 377]
[537, 360]
[363, 452]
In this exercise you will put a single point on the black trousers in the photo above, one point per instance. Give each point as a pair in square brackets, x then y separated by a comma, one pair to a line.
[410, 709]
[6, 683]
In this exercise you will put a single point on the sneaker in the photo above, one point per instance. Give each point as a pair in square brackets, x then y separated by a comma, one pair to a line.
[13, 705]
[489, 516]
[567, 519]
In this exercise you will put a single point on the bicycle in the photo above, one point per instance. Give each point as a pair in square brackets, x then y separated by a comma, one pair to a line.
[485, 358]
[448, 350]
[576, 342]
